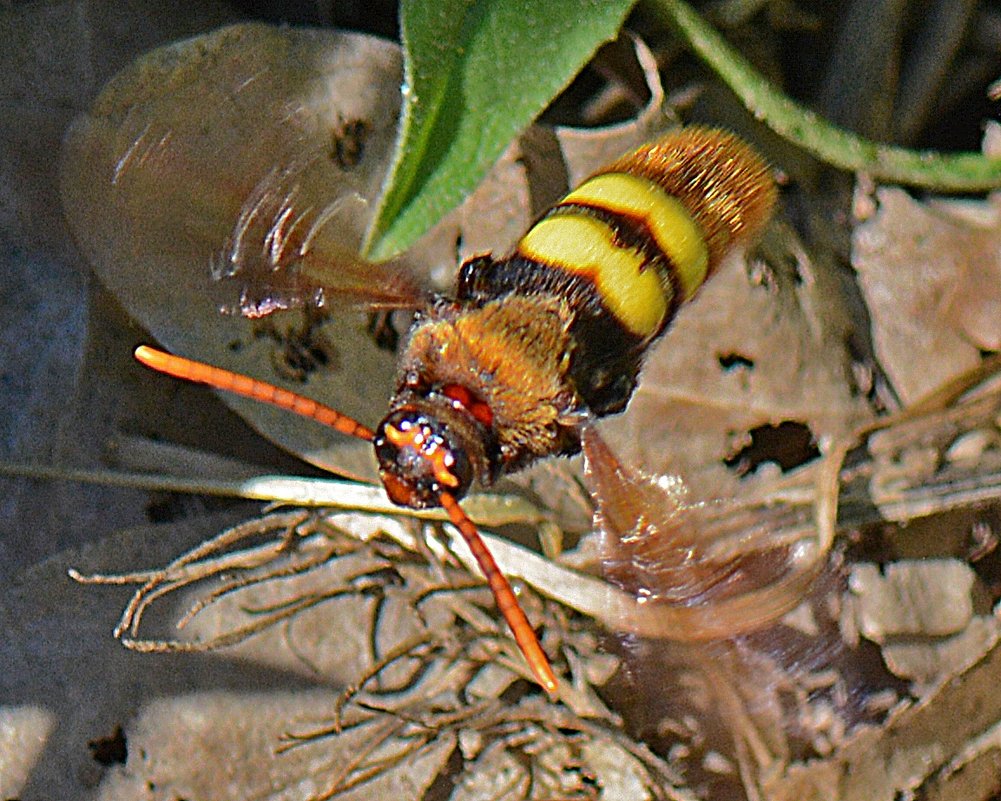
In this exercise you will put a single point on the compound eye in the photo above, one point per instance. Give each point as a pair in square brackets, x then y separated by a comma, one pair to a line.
[417, 460]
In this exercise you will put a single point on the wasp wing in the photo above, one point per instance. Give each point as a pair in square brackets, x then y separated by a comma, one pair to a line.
[295, 244]
[704, 571]
[227, 152]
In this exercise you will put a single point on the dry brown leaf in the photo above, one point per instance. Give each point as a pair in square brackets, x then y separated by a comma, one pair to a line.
[922, 748]
[922, 614]
[931, 275]
[929, 662]
[182, 746]
[928, 598]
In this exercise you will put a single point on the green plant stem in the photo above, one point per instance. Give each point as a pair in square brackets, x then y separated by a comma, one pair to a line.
[955, 172]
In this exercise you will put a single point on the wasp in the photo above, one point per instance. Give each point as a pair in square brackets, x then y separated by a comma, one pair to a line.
[532, 346]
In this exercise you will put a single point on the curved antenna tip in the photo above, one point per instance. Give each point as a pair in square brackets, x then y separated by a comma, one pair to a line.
[147, 355]
[504, 596]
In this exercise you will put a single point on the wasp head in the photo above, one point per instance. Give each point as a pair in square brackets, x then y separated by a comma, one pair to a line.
[426, 447]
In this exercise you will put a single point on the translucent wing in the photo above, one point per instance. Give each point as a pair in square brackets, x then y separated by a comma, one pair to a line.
[253, 152]
[287, 249]
[700, 573]
[713, 586]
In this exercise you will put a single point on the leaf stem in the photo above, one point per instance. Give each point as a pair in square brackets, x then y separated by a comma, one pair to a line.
[955, 172]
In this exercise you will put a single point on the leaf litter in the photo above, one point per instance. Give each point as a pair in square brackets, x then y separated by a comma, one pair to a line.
[797, 706]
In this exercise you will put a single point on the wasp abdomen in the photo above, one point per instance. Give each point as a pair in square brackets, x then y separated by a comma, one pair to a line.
[648, 230]
[627, 247]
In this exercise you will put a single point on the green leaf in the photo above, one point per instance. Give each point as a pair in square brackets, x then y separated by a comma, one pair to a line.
[477, 72]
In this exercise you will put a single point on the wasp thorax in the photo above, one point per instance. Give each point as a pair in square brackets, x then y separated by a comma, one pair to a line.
[428, 447]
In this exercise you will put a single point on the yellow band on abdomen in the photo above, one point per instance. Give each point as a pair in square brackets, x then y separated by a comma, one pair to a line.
[580, 244]
[665, 217]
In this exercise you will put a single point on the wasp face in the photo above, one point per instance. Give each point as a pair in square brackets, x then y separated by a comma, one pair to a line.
[422, 455]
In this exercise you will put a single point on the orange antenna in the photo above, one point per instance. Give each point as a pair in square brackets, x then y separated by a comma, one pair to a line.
[508, 604]
[216, 377]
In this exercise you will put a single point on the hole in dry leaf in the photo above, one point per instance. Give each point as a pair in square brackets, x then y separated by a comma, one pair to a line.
[789, 445]
[735, 361]
[300, 348]
[380, 327]
[349, 143]
[380, 580]
[167, 507]
[110, 750]
[444, 784]
[457, 248]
